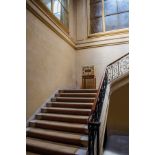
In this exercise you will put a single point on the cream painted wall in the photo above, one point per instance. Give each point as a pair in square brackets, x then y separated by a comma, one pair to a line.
[99, 57]
[50, 63]
[118, 114]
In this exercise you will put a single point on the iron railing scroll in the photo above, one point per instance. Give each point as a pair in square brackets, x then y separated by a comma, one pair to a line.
[118, 68]
[113, 71]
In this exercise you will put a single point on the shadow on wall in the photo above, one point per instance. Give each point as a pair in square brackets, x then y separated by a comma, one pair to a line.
[118, 115]
[117, 131]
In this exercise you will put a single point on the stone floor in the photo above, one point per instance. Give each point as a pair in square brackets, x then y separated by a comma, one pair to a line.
[117, 145]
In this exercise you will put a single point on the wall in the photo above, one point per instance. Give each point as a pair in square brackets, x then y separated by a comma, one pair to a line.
[50, 63]
[99, 57]
[118, 114]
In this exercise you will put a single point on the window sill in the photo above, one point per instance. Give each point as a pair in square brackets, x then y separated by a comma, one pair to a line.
[109, 33]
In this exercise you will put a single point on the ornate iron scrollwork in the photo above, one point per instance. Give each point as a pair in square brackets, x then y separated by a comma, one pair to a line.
[113, 71]
[118, 68]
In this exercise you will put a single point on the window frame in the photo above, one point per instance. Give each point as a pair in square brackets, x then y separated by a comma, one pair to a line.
[104, 33]
[51, 15]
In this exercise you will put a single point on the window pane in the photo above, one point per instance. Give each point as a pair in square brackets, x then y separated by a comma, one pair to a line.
[65, 4]
[47, 3]
[56, 6]
[57, 15]
[123, 5]
[59, 8]
[110, 7]
[111, 22]
[96, 10]
[64, 16]
[96, 25]
[123, 20]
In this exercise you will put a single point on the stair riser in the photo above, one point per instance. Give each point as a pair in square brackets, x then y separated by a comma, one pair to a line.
[61, 105]
[87, 100]
[59, 128]
[71, 112]
[44, 151]
[58, 139]
[70, 120]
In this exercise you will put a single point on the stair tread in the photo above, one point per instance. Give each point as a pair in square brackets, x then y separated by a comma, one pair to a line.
[59, 134]
[63, 115]
[83, 103]
[78, 90]
[52, 146]
[66, 109]
[62, 124]
[79, 105]
[80, 93]
[85, 95]
[75, 98]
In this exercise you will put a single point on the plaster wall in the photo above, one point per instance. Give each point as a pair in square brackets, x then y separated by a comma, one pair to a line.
[100, 57]
[50, 63]
[118, 114]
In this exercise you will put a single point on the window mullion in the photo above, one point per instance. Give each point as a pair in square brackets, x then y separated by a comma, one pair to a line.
[52, 5]
[103, 19]
[63, 5]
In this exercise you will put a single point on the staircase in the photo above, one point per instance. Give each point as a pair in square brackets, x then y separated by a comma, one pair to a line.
[61, 128]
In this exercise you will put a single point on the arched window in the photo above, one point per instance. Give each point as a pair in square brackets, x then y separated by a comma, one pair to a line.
[107, 15]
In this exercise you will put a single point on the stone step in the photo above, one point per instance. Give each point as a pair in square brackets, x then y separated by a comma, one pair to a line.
[70, 111]
[63, 118]
[58, 136]
[70, 105]
[76, 95]
[78, 91]
[60, 126]
[52, 148]
[73, 99]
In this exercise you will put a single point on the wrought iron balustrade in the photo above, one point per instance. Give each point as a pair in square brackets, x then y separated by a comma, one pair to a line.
[113, 71]
[118, 68]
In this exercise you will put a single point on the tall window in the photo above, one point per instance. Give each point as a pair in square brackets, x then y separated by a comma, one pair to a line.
[96, 21]
[111, 15]
[60, 10]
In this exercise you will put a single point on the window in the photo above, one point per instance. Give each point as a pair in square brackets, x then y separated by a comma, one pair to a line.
[96, 24]
[107, 15]
[59, 8]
